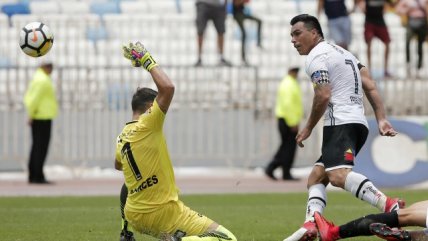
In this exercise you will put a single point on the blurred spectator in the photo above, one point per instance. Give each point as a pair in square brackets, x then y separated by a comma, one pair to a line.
[289, 113]
[339, 23]
[375, 26]
[178, 6]
[240, 13]
[415, 12]
[41, 104]
[214, 10]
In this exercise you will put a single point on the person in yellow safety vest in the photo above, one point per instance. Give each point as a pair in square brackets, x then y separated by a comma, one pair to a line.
[289, 112]
[42, 107]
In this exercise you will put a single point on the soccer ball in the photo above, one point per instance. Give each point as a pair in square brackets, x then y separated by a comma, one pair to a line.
[36, 39]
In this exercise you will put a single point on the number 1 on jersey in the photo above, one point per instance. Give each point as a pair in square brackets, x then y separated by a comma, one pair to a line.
[127, 153]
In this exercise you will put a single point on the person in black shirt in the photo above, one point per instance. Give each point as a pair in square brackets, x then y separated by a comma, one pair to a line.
[240, 13]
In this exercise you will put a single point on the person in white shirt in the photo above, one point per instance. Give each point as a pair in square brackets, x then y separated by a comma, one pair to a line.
[339, 81]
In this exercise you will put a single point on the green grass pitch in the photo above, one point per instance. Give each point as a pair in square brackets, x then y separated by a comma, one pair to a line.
[251, 217]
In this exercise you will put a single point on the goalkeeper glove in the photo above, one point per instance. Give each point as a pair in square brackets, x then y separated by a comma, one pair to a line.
[139, 56]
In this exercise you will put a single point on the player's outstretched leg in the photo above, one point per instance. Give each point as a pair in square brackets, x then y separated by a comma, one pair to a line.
[362, 188]
[220, 234]
[383, 231]
[327, 230]
[307, 232]
[393, 204]
[125, 234]
[317, 201]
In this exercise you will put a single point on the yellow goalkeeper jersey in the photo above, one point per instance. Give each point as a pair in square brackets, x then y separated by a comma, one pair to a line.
[147, 167]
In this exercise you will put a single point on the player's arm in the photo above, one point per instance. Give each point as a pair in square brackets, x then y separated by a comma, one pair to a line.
[321, 99]
[140, 57]
[322, 94]
[373, 96]
[426, 7]
[320, 7]
[117, 165]
[165, 88]
[359, 4]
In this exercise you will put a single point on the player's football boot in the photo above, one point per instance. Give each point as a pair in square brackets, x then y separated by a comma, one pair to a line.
[326, 229]
[393, 204]
[214, 234]
[308, 232]
[383, 231]
[126, 236]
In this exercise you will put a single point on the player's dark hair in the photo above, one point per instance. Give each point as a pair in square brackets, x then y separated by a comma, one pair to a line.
[142, 98]
[310, 22]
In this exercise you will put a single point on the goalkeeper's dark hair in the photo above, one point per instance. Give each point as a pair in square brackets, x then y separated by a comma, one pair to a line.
[142, 99]
[310, 22]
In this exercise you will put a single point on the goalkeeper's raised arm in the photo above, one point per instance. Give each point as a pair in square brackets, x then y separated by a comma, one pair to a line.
[140, 57]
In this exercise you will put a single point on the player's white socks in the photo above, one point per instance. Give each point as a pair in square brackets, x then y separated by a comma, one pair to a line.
[362, 188]
[426, 221]
[317, 200]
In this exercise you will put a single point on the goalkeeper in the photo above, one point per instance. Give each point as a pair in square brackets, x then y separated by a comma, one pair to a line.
[152, 206]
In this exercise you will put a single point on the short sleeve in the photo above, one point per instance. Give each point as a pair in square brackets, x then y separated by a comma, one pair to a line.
[318, 71]
[153, 118]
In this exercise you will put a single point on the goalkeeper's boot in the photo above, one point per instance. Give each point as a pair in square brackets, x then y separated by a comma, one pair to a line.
[308, 232]
[393, 204]
[126, 236]
[327, 230]
[383, 231]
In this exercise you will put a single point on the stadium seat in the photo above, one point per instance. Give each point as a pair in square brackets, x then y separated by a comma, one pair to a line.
[102, 8]
[20, 20]
[114, 25]
[44, 7]
[74, 7]
[188, 8]
[259, 8]
[17, 8]
[5, 62]
[82, 22]
[128, 7]
[95, 34]
[164, 7]
[4, 21]
[280, 7]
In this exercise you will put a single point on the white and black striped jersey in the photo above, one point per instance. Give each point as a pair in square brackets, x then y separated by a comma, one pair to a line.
[330, 64]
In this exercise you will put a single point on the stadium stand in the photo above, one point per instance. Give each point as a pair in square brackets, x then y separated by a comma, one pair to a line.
[94, 82]
[102, 8]
[44, 7]
[74, 7]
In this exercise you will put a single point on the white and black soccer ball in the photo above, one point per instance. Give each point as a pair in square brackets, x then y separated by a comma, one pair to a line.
[36, 39]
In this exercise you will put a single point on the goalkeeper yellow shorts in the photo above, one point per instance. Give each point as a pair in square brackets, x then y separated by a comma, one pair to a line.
[169, 219]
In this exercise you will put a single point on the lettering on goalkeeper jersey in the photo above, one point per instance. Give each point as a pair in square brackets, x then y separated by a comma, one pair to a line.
[149, 182]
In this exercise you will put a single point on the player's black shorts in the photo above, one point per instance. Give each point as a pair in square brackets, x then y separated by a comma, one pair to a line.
[341, 144]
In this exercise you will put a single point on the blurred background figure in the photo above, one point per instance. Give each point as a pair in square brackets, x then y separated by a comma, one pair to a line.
[289, 113]
[415, 14]
[339, 23]
[375, 26]
[214, 10]
[240, 13]
[42, 107]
